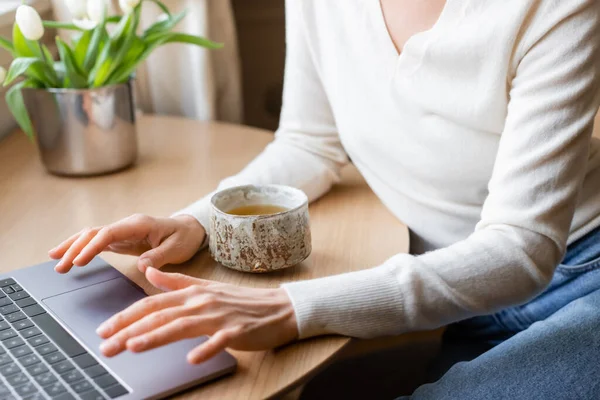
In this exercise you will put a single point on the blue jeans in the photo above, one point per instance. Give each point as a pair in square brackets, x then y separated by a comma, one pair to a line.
[548, 348]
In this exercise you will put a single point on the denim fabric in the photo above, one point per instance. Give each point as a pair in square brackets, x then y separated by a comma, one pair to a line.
[548, 348]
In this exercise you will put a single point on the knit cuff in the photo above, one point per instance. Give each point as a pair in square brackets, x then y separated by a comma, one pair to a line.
[359, 304]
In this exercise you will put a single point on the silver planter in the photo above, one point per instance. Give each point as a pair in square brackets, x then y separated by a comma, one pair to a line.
[82, 132]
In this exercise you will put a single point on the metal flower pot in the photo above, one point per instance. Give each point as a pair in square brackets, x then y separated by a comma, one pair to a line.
[82, 132]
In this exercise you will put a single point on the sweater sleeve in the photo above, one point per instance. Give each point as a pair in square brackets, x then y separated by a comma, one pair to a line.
[307, 152]
[525, 221]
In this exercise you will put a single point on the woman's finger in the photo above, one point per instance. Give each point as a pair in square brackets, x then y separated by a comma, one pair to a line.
[65, 264]
[172, 281]
[179, 329]
[133, 228]
[117, 343]
[213, 346]
[139, 310]
[57, 252]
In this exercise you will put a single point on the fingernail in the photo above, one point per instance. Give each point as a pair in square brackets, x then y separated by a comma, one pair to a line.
[103, 330]
[109, 347]
[76, 260]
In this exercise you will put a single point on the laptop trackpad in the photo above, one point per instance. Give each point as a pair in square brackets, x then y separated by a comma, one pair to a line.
[83, 310]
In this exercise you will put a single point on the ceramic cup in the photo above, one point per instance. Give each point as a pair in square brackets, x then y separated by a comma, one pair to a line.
[260, 243]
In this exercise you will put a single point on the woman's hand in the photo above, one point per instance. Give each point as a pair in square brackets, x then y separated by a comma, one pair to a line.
[158, 241]
[236, 317]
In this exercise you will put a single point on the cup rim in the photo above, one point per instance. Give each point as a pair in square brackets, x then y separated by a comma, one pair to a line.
[240, 187]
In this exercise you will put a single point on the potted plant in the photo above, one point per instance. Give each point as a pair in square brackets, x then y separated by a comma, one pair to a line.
[80, 108]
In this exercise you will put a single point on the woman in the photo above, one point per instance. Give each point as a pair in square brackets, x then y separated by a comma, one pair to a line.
[471, 121]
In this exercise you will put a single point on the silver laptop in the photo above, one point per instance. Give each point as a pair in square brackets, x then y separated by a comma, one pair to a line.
[49, 348]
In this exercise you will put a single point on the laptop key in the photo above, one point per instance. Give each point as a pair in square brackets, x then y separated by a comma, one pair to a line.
[28, 360]
[14, 317]
[37, 369]
[46, 379]
[46, 349]
[25, 302]
[59, 335]
[30, 332]
[81, 386]
[64, 396]
[4, 301]
[22, 324]
[94, 371]
[7, 282]
[33, 310]
[25, 390]
[17, 379]
[115, 391]
[63, 366]
[55, 389]
[38, 340]
[13, 342]
[4, 390]
[5, 359]
[37, 396]
[53, 358]
[72, 376]
[85, 360]
[105, 380]
[20, 351]
[4, 325]
[93, 395]
[10, 369]
[17, 288]
[11, 308]
[8, 290]
[19, 295]
[7, 334]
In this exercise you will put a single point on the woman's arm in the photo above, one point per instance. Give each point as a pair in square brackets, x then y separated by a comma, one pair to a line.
[525, 221]
[307, 152]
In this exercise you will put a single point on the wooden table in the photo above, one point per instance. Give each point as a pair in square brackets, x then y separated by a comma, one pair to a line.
[180, 160]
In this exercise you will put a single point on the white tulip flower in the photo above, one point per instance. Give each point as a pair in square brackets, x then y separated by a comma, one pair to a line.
[29, 22]
[85, 24]
[2, 75]
[96, 10]
[127, 6]
[77, 8]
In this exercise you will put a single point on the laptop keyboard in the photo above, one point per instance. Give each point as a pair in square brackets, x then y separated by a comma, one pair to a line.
[39, 359]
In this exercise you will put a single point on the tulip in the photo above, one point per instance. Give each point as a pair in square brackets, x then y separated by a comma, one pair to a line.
[96, 10]
[127, 6]
[2, 75]
[29, 22]
[77, 8]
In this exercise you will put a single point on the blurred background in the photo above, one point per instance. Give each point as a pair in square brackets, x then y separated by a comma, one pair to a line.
[241, 83]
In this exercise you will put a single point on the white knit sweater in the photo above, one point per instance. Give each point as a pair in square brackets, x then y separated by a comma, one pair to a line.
[477, 137]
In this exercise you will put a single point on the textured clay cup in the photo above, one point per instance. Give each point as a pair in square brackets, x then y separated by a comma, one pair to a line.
[259, 243]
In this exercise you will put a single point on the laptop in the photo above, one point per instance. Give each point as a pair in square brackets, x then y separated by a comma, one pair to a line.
[49, 348]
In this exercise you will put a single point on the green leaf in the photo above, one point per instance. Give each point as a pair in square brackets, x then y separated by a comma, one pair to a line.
[16, 105]
[164, 26]
[47, 54]
[81, 47]
[7, 45]
[174, 37]
[98, 36]
[113, 54]
[162, 6]
[73, 73]
[61, 25]
[21, 45]
[18, 67]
